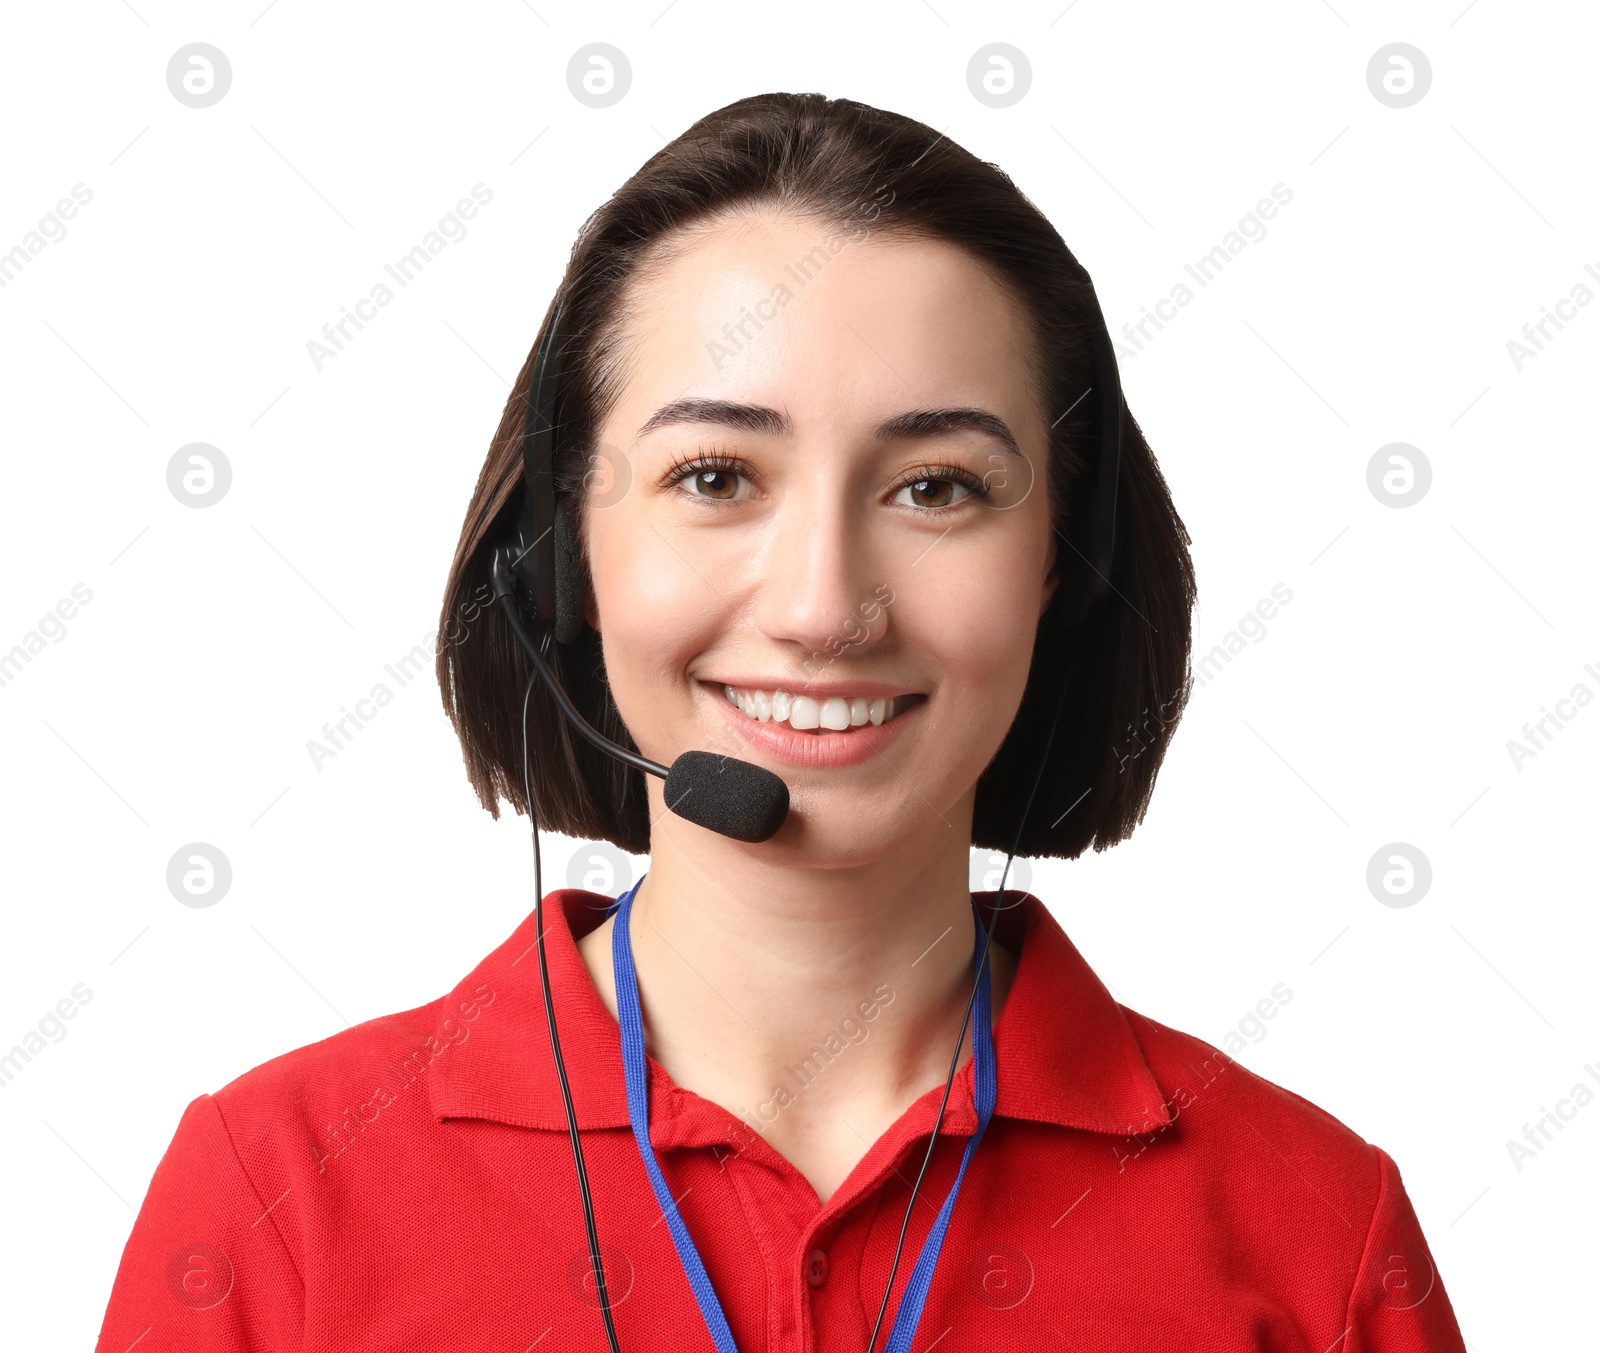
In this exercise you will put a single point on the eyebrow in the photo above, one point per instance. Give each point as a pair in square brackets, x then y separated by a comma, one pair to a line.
[774, 423]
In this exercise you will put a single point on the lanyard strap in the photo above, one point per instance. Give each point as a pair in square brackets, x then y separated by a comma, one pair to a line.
[909, 1312]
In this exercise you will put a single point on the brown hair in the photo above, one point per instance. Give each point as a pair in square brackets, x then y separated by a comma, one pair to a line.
[842, 163]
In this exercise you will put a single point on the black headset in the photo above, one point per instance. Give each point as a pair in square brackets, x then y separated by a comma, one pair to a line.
[718, 792]
[735, 798]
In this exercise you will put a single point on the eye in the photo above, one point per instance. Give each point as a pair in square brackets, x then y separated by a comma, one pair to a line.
[713, 476]
[936, 488]
[932, 493]
[719, 485]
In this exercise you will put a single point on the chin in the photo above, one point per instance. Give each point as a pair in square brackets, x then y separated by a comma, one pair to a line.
[834, 828]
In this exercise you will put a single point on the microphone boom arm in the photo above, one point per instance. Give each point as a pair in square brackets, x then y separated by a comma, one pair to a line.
[504, 589]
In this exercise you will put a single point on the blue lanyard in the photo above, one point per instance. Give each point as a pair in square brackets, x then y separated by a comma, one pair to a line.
[909, 1312]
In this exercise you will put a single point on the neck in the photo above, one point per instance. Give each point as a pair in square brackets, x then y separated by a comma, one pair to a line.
[816, 1005]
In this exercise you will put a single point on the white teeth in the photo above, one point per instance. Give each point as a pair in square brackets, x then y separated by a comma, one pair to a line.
[835, 713]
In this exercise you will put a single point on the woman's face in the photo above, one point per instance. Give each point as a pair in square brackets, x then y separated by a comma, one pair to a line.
[823, 485]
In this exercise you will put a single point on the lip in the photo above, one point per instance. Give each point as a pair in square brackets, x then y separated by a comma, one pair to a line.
[821, 750]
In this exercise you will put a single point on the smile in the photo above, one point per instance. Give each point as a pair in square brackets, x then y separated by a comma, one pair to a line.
[805, 713]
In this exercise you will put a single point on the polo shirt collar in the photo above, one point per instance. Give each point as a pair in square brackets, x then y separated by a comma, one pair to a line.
[1064, 1051]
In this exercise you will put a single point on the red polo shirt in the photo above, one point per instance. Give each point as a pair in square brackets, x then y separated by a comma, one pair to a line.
[408, 1184]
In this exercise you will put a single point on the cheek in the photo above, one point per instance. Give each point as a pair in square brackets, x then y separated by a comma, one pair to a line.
[636, 575]
[979, 634]
[987, 596]
[654, 614]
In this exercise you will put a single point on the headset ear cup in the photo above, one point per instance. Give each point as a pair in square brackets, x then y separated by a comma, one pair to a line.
[570, 581]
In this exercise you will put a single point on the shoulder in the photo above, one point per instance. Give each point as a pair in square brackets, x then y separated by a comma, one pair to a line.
[1318, 1200]
[1196, 1075]
[304, 1106]
[1243, 1128]
[246, 1176]
[1185, 1059]
[342, 1060]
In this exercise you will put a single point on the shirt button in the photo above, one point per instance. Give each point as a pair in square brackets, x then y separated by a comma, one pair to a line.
[817, 1267]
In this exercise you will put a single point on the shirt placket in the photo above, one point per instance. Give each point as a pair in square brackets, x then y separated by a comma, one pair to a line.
[840, 1313]
[811, 1255]
[694, 1136]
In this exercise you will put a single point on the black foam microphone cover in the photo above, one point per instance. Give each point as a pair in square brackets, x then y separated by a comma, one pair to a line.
[733, 798]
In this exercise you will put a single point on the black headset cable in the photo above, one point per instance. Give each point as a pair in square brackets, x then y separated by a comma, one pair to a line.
[988, 935]
[596, 1264]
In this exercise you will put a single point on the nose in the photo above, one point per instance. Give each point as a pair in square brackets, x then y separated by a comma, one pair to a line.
[817, 593]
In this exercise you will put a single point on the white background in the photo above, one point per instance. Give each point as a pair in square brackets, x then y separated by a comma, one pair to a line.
[1377, 709]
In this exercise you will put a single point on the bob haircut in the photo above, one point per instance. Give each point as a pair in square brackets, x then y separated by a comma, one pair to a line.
[846, 166]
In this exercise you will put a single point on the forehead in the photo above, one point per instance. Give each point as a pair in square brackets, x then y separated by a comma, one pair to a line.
[834, 327]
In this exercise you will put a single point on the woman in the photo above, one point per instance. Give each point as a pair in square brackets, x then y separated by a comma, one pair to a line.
[822, 439]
